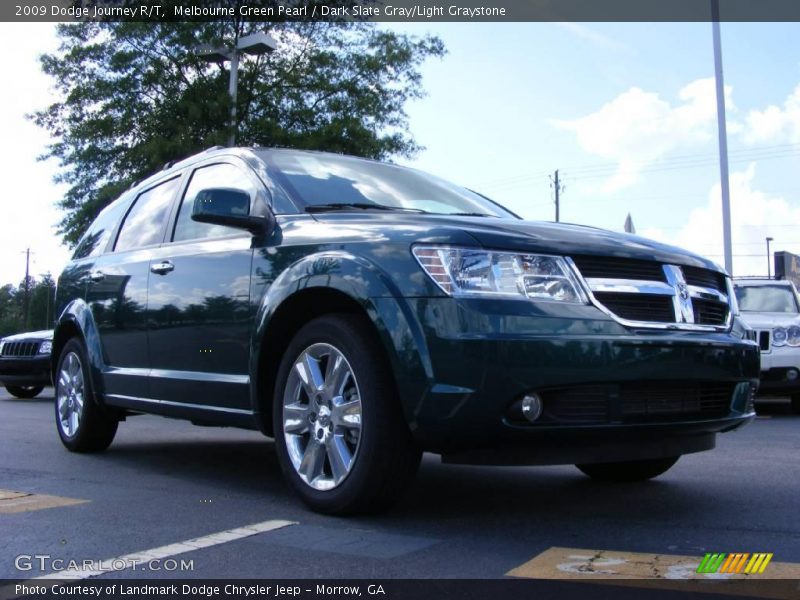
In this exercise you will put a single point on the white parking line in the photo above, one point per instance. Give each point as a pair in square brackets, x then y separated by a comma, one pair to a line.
[115, 564]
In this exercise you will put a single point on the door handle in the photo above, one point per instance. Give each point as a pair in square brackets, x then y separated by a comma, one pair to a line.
[162, 268]
[97, 276]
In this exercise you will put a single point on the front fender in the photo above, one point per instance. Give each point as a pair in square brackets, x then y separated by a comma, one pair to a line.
[373, 290]
[77, 319]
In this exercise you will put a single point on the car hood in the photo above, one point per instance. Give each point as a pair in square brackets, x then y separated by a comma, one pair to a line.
[45, 334]
[518, 235]
[769, 320]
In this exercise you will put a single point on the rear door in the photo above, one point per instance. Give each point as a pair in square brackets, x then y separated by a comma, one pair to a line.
[117, 291]
[199, 317]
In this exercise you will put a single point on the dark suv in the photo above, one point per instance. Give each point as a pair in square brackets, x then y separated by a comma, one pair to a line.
[361, 313]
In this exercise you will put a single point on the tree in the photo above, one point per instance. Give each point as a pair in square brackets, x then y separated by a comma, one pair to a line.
[136, 96]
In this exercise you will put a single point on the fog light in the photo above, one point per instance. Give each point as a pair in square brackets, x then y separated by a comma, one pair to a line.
[531, 407]
[791, 375]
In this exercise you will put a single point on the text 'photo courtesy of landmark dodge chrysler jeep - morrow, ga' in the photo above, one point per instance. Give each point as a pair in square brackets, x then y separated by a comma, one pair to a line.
[361, 313]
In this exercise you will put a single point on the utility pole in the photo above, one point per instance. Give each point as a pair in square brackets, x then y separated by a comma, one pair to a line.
[769, 261]
[556, 184]
[723, 139]
[27, 287]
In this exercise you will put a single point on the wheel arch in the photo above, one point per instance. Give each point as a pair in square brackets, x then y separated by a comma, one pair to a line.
[301, 295]
[77, 322]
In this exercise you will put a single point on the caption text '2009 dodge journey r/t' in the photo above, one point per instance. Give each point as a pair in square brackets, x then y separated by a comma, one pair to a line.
[361, 313]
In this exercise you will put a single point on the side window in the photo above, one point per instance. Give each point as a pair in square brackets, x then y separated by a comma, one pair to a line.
[143, 223]
[221, 175]
[95, 240]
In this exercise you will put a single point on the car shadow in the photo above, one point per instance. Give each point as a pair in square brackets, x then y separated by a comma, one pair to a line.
[47, 396]
[439, 494]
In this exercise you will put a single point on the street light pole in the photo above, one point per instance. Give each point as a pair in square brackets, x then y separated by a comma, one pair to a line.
[723, 139]
[233, 85]
[769, 262]
[254, 44]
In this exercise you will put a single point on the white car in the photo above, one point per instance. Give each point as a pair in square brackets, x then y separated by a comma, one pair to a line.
[772, 308]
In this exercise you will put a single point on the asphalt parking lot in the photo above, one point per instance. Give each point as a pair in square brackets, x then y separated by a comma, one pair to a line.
[164, 482]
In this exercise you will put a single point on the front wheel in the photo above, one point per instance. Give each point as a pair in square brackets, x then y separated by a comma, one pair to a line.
[24, 391]
[634, 470]
[340, 435]
[82, 424]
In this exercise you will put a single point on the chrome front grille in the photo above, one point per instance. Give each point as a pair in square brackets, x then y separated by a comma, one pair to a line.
[20, 348]
[764, 340]
[642, 293]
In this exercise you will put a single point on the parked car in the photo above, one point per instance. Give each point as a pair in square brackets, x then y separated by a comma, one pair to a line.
[772, 308]
[25, 363]
[360, 313]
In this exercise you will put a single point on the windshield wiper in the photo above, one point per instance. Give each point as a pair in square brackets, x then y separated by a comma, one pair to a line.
[314, 208]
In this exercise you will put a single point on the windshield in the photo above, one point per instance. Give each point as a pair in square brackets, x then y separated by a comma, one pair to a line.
[324, 179]
[766, 298]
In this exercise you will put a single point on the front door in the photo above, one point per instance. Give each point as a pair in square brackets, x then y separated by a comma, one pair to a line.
[199, 320]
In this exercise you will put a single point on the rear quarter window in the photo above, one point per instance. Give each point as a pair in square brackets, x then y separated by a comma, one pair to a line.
[96, 238]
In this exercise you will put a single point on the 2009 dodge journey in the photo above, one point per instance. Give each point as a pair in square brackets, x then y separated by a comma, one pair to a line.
[360, 313]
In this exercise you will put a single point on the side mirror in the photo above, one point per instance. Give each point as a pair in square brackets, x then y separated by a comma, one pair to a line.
[229, 207]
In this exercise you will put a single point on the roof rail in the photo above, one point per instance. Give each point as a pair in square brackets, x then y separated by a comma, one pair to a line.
[217, 147]
[168, 165]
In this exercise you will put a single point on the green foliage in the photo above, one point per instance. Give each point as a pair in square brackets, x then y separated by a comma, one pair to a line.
[40, 312]
[135, 96]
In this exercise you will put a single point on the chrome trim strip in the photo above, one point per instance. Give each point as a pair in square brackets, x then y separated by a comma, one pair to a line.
[238, 411]
[629, 286]
[174, 374]
[693, 291]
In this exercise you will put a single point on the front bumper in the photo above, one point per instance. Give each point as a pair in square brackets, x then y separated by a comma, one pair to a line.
[779, 369]
[25, 370]
[614, 393]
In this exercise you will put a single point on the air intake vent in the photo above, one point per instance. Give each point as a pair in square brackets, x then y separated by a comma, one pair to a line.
[705, 278]
[709, 312]
[618, 268]
[638, 307]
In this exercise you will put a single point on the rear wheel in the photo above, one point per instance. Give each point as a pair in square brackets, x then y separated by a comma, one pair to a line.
[796, 404]
[635, 470]
[24, 391]
[82, 424]
[340, 435]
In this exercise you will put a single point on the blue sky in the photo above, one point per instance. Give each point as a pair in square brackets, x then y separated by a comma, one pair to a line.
[625, 111]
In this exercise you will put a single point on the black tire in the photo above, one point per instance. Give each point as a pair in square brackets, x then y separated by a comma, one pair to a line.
[796, 404]
[94, 428]
[24, 391]
[385, 458]
[635, 470]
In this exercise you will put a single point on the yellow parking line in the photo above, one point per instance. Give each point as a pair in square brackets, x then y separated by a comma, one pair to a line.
[664, 571]
[16, 502]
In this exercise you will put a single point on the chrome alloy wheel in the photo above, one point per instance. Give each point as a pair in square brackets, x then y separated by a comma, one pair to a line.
[70, 394]
[322, 416]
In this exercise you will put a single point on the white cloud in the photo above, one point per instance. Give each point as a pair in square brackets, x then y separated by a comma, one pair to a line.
[638, 127]
[28, 212]
[775, 124]
[754, 216]
[595, 37]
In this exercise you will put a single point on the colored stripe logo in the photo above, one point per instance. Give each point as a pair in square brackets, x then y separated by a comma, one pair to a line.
[735, 563]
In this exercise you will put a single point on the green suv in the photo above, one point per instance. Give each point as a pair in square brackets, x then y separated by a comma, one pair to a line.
[361, 313]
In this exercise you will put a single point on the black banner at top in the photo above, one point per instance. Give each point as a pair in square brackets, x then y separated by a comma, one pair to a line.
[420, 11]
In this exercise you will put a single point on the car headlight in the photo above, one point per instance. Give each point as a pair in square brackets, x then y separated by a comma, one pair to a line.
[793, 336]
[46, 347]
[473, 272]
[779, 336]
